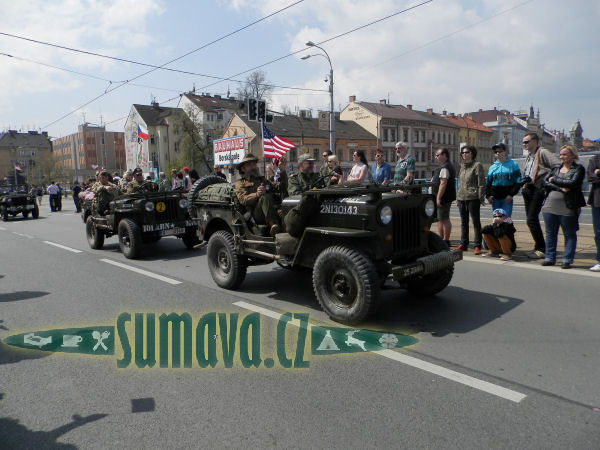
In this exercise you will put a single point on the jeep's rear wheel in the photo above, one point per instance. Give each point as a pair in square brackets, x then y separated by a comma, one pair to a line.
[130, 238]
[227, 268]
[36, 212]
[95, 237]
[190, 239]
[431, 284]
[346, 284]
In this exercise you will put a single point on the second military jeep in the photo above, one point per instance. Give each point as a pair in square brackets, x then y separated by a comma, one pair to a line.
[14, 201]
[139, 218]
[358, 237]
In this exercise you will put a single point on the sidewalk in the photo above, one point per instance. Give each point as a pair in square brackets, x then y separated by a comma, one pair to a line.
[585, 256]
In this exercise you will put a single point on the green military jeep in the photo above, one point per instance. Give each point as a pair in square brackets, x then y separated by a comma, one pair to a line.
[140, 218]
[358, 237]
[14, 201]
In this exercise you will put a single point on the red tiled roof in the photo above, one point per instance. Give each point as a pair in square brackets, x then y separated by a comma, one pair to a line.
[491, 115]
[208, 103]
[465, 122]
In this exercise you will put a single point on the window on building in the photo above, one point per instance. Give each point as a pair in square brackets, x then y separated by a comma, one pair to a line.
[176, 146]
[422, 135]
[176, 131]
[293, 155]
[340, 154]
[405, 135]
[152, 139]
[219, 116]
[316, 152]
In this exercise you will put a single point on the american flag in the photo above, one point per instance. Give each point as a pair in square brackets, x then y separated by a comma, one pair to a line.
[273, 145]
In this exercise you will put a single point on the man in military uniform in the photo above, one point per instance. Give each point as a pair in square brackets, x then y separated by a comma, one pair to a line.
[296, 219]
[325, 170]
[104, 192]
[127, 178]
[136, 184]
[256, 192]
[306, 176]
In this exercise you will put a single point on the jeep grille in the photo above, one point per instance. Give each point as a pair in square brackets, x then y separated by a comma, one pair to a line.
[406, 228]
[170, 213]
[18, 201]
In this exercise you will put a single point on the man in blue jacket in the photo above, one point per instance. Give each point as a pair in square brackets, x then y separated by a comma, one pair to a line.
[503, 180]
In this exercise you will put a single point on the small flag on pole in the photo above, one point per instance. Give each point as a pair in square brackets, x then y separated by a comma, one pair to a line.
[273, 145]
[143, 132]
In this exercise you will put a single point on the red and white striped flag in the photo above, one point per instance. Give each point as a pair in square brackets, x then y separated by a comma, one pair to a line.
[273, 145]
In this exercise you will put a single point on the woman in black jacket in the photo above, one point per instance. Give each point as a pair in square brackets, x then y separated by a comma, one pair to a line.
[563, 205]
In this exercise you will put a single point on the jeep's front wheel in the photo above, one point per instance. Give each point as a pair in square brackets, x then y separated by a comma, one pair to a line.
[25, 214]
[227, 268]
[130, 238]
[346, 284]
[95, 237]
[431, 284]
[4, 213]
[36, 212]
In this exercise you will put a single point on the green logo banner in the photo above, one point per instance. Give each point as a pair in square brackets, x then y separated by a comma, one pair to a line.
[329, 341]
[98, 340]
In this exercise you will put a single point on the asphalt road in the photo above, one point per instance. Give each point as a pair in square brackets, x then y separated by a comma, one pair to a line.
[507, 356]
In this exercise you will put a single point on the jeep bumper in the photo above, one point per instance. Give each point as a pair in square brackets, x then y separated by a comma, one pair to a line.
[20, 208]
[427, 265]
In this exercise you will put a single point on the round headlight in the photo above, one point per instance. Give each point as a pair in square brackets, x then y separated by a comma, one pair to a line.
[385, 215]
[183, 203]
[149, 206]
[429, 208]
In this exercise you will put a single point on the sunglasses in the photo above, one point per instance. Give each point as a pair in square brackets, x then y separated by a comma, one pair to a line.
[379, 155]
[498, 216]
[465, 153]
[526, 142]
[498, 151]
[325, 155]
[438, 154]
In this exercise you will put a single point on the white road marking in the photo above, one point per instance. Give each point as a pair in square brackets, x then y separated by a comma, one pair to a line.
[2, 229]
[141, 271]
[23, 235]
[64, 247]
[452, 375]
[533, 266]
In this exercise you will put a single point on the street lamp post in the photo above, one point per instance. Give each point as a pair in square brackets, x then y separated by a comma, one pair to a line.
[331, 114]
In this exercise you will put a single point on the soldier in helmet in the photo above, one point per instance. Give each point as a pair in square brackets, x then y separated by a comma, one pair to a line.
[256, 192]
[127, 178]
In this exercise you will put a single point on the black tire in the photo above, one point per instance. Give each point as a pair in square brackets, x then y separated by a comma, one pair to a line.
[25, 214]
[95, 237]
[36, 212]
[198, 186]
[346, 284]
[4, 213]
[130, 238]
[429, 285]
[227, 268]
[190, 239]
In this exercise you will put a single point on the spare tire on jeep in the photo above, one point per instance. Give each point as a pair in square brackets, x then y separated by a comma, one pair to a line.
[198, 186]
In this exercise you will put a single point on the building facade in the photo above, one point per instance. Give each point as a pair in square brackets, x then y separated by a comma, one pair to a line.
[22, 156]
[91, 148]
[421, 130]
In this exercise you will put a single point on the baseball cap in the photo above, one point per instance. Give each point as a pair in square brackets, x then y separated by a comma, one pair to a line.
[499, 145]
[137, 170]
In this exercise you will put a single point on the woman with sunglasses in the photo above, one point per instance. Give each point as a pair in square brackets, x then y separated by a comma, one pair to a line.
[503, 180]
[470, 197]
[563, 205]
[360, 169]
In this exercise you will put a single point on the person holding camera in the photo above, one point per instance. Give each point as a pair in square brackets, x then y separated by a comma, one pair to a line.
[563, 205]
[500, 235]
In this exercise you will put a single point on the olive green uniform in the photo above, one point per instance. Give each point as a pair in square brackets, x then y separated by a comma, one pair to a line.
[104, 194]
[133, 187]
[296, 219]
[263, 207]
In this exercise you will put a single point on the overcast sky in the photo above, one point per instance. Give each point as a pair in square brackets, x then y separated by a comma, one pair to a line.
[454, 55]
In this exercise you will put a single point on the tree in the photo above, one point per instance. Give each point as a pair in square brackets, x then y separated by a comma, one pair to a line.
[193, 148]
[255, 86]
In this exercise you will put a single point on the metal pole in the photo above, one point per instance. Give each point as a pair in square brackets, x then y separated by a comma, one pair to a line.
[331, 113]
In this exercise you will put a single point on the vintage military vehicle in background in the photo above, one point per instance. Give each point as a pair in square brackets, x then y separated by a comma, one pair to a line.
[358, 236]
[140, 218]
[15, 200]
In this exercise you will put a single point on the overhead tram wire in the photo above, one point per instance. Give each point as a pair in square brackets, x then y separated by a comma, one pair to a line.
[324, 41]
[169, 62]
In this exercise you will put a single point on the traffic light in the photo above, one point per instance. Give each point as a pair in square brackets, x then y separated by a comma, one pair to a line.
[251, 109]
[261, 110]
